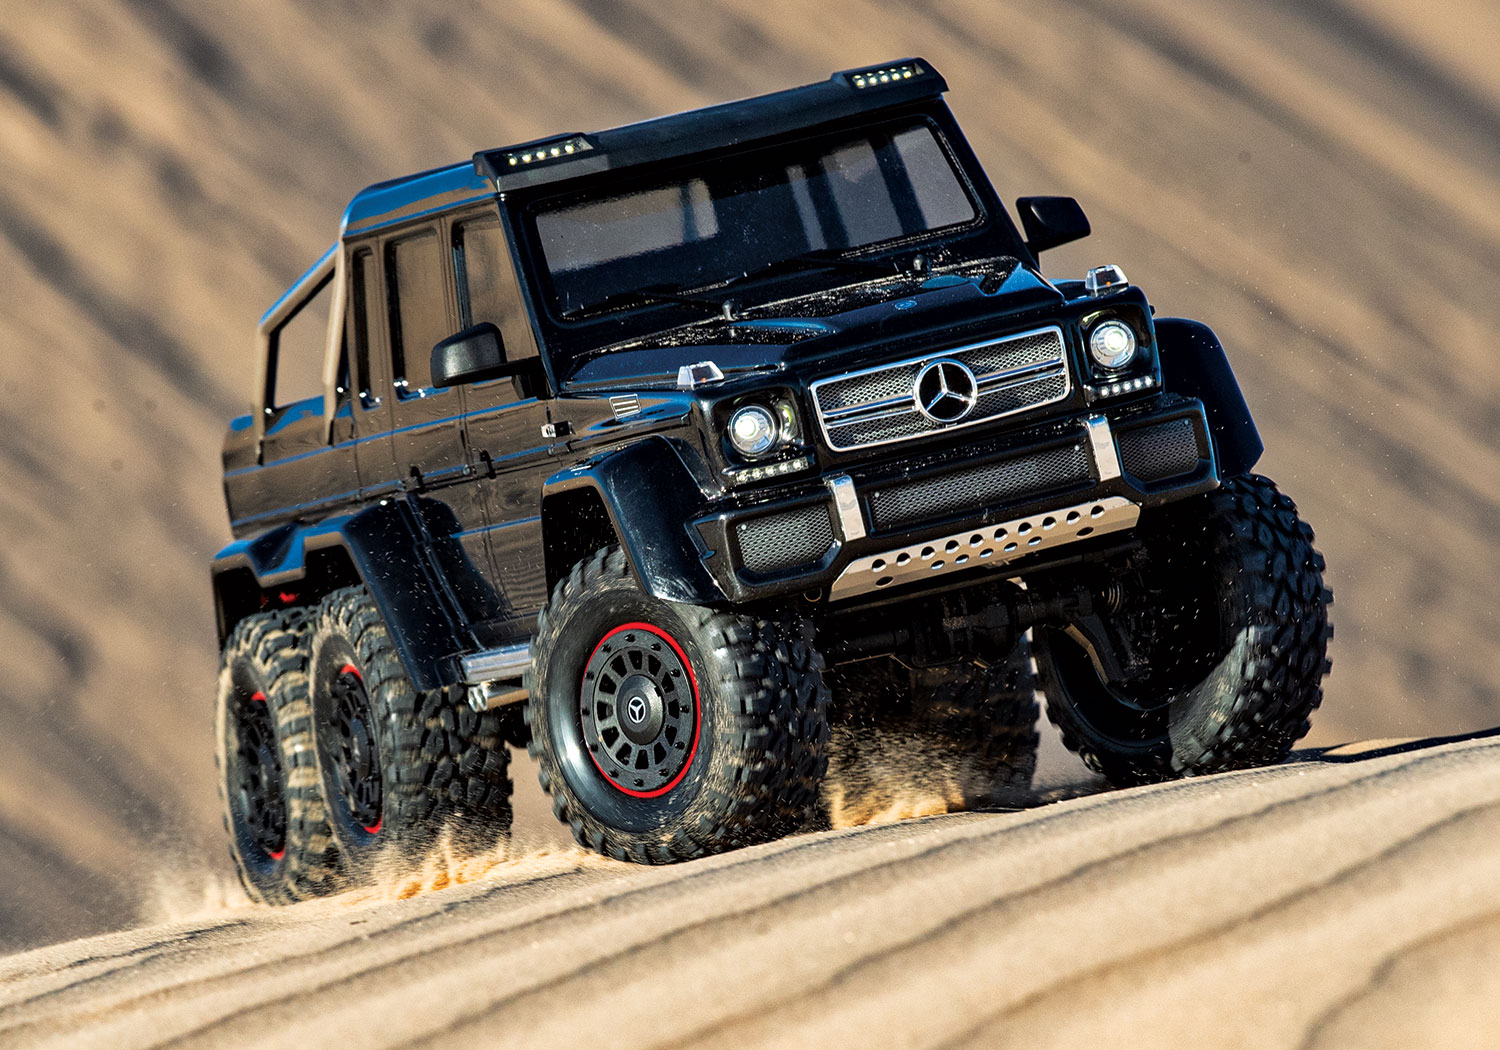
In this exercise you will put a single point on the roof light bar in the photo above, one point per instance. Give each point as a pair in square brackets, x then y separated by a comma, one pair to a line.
[868, 78]
[554, 150]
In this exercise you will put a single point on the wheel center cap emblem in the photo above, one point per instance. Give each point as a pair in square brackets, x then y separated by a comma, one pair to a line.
[945, 391]
[635, 709]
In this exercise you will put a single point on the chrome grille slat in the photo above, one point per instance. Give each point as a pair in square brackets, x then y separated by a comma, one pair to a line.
[875, 406]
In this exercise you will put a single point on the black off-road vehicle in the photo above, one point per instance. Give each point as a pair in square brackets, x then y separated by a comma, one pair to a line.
[696, 439]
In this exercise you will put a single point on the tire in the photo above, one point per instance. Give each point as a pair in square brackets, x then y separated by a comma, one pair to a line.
[733, 719]
[1236, 633]
[268, 784]
[398, 765]
[910, 742]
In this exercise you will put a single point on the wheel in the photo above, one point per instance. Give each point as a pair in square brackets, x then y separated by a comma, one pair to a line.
[908, 742]
[397, 765]
[273, 812]
[666, 731]
[1226, 603]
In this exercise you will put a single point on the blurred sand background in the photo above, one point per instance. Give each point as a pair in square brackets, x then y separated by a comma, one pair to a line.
[1317, 179]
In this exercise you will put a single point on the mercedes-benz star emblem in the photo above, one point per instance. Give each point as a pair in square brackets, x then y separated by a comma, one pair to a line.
[945, 391]
[635, 710]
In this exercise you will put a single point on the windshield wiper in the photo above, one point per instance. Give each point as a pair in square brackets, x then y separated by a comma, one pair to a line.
[641, 297]
[821, 257]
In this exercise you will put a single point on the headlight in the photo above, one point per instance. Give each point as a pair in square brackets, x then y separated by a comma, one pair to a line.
[1112, 344]
[753, 430]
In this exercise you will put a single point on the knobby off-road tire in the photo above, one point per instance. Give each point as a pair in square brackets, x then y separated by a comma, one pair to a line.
[396, 764]
[906, 739]
[1240, 629]
[268, 780]
[732, 737]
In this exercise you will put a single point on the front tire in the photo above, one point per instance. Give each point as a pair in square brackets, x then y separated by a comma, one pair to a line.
[1227, 600]
[666, 731]
[398, 764]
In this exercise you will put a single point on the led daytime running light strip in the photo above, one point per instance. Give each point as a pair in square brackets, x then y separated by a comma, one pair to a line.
[771, 470]
[1124, 386]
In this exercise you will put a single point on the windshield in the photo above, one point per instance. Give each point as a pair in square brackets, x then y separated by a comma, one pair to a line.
[719, 221]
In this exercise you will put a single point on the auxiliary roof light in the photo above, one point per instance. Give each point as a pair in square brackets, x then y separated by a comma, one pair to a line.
[890, 74]
[554, 150]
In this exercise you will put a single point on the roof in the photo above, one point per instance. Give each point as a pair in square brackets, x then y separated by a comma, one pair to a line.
[844, 94]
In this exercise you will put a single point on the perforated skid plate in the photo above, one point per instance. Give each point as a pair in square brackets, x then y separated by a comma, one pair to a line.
[986, 547]
[779, 541]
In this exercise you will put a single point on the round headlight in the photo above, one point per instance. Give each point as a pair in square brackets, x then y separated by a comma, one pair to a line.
[753, 430]
[1112, 344]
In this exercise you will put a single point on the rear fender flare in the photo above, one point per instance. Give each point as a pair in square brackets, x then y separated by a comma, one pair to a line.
[382, 545]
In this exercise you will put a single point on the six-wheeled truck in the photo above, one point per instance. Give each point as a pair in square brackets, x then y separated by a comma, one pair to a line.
[677, 451]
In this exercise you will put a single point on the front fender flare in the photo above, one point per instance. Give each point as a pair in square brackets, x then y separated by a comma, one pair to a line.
[650, 495]
[1193, 363]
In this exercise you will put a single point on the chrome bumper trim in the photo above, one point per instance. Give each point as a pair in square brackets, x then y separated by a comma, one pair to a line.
[1102, 441]
[846, 507]
[985, 547]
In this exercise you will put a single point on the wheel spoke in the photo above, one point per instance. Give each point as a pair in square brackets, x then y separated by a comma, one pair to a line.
[634, 714]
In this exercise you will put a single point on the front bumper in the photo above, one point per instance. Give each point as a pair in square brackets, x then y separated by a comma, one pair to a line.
[1010, 500]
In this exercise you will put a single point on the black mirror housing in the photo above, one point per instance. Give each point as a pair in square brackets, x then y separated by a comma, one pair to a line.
[1051, 221]
[470, 356]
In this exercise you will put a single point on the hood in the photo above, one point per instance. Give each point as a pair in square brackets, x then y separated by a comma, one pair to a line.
[967, 302]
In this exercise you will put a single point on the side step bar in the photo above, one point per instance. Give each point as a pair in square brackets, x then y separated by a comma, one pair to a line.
[494, 676]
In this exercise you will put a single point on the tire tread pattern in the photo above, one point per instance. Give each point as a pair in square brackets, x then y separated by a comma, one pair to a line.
[771, 753]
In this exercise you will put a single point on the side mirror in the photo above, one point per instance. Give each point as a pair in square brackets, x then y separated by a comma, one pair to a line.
[1050, 221]
[473, 355]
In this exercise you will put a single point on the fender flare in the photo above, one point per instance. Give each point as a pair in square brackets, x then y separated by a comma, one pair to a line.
[384, 544]
[1193, 363]
[651, 496]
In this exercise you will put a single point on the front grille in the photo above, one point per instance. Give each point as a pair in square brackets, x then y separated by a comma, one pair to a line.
[777, 542]
[877, 406]
[1164, 450]
[992, 485]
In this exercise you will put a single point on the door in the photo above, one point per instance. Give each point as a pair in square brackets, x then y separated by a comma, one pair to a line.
[411, 441]
[504, 420]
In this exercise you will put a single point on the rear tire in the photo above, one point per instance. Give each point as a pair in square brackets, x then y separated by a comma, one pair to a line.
[398, 765]
[725, 744]
[273, 807]
[1227, 598]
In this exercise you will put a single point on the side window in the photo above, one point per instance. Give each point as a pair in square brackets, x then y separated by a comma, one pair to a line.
[364, 302]
[298, 347]
[416, 301]
[486, 282]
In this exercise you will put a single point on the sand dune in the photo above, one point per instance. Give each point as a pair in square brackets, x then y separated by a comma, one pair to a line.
[1315, 179]
[1322, 903]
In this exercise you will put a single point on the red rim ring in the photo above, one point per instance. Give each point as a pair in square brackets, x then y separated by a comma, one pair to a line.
[697, 710]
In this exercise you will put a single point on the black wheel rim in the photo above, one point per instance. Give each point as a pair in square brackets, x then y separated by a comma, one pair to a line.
[356, 753]
[638, 710]
[258, 787]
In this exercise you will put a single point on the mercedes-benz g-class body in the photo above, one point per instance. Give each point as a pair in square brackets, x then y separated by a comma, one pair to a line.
[655, 432]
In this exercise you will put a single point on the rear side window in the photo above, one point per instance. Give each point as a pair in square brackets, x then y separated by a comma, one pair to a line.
[365, 299]
[418, 308]
[300, 346]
